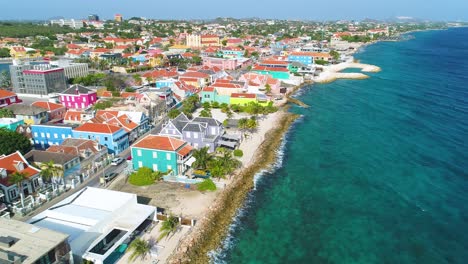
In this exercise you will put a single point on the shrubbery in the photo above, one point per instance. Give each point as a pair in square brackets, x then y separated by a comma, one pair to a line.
[206, 185]
[238, 153]
[144, 176]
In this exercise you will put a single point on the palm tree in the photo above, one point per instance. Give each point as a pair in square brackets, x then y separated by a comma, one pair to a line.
[18, 178]
[217, 168]
[202, 157]
[228, 162]
[170, 225]
[140, 248]
[50, 171]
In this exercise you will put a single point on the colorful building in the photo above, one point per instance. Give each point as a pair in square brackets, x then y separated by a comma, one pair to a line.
[7, 98]
[10, 123]
[245, 98]
[232, 52]
[55, 111]
[78, 97]
[277, 73]
[29, 114]
[161, 153]
[113, 137]
[15, 162]
[46, 135]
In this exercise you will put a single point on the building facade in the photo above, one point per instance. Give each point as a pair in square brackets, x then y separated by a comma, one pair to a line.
[38, 79]
[7, 98]
[161, 153]
[46, 135]
[78, 97]
[113, 137]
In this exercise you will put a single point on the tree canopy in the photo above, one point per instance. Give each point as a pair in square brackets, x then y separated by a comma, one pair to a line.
[13, 141]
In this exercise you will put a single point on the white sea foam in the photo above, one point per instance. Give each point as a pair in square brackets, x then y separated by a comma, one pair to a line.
[218, 255]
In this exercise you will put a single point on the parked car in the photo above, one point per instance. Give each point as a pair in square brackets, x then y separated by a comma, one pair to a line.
[109, 176]
[117, 161]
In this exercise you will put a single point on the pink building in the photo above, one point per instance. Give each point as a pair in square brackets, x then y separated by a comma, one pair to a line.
[227, 64]
[78, 97]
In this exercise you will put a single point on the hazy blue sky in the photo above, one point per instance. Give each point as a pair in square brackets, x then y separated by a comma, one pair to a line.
[285, 9]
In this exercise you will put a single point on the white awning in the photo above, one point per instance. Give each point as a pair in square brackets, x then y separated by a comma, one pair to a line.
[190, 161]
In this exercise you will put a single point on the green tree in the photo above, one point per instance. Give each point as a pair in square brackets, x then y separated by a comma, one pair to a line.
[267, 88]
[202, 157]
[173, 113]
[224, 42]
[137, 79]
[320, 62]
[168, 226]
[139, 248]
[205, 113]
[12, 141]
[4, 53]
[335, 54]
[102, 105]
[5, 79]
[144, 176]
[17, 178]
[5, 112]
[206, 106]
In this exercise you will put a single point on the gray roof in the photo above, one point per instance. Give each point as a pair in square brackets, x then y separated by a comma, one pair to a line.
[45, 156]
[180, 121]
[210, 121]
[194, 127]
[22, 109]
[81, 89]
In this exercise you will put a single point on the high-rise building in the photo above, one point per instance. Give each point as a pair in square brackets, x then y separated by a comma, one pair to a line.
[93, 17]
[40, 79]
[118, 18]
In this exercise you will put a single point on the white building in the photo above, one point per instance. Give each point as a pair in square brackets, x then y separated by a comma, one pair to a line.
[71, 69]
[76, 24]
[98, 221]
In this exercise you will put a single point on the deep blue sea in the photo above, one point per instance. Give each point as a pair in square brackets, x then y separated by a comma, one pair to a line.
[375, 171]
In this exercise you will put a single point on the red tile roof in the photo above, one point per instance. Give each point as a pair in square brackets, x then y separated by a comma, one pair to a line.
[243, 95]
[208, 89]
[72, 115]
[185, 150]
[98, 128]
[48, 105]
[9, 163]
[261, 68]
[276, 62]
[198, 75]
[160, 143]
[5, 93]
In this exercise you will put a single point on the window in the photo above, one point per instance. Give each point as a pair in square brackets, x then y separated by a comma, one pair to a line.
[84, 99]
[105, 138]
[195, 135]
[155, 167]
[140, 164]
[42, 134]
[55, 135]
[155, 155]
[139, 152]
[69, 136]
[72, 98]
[169, 167]
[188, 134]
[13, 193]
[63, 136]
[168, 156]
[35, 134]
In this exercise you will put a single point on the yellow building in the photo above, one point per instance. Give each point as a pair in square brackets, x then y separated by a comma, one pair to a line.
[18, 52]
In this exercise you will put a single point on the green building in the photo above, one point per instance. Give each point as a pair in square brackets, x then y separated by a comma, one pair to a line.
[10, 123]
[161, 153]
[277, 73]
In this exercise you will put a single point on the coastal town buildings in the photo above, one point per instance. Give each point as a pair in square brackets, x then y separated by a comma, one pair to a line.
[30, 114]
[25, 243]
[114, 138]
[162, 153]
[7, 98]
[78, 97]
[40, 79]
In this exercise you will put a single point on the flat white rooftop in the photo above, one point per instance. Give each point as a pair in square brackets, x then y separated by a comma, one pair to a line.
[87, 216]
[32, 242]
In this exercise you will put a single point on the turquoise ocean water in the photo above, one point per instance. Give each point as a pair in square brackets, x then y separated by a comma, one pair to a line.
[375, 171]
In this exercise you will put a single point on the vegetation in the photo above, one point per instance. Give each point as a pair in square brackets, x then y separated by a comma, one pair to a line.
[5, 112]
[173, 113]
[189, 105]
[49, 170]
[254, 108]
[102, 105]
[206, 185]
[170, 225]
[139, 248]
[12, 141]
[321, 62]
[215, 226]
[144, 176]
[90, 79]
[335, 54]
[22, 30]
[5, 53]
[202, 157]
[5, 79]
[238, 153]
[17, 178]
[205, 113]
[356, 38]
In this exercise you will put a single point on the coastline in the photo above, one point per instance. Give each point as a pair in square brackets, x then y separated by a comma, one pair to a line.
[209, 231]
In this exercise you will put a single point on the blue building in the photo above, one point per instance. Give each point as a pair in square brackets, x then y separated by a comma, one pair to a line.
[165, 83]
[113, 137]
[306, 58]
[45, 135]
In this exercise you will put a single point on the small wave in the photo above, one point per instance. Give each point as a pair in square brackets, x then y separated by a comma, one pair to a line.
[219, 255]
